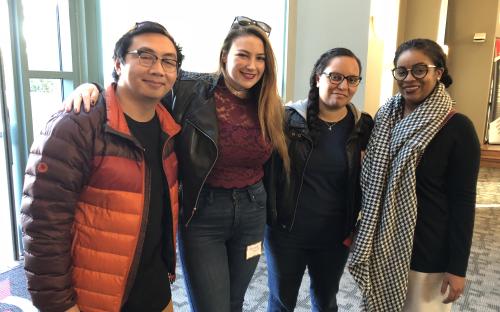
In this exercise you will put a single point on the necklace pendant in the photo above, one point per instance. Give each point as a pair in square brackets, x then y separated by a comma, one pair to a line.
[329, 124]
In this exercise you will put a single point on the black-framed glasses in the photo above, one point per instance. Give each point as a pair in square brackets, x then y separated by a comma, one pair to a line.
[148, 59]
[247, 21]
[336, 78]
[418, 71]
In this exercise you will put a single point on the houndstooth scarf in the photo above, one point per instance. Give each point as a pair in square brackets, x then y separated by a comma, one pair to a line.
[382, 251]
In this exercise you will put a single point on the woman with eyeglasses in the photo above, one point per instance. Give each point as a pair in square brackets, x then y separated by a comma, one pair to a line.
[419, 185]
[231, 123]
[317, 208]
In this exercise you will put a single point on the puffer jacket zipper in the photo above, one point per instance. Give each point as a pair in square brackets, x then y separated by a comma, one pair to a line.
[142, 231]
[171, 273]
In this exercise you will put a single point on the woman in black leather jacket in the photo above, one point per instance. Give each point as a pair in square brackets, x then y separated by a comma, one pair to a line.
[316, 210]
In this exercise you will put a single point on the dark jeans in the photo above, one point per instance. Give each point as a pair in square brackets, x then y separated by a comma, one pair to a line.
[286, 264]
[214, 247]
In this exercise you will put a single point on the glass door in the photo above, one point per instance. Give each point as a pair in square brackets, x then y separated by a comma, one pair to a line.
[42, 58]
[8, 241]
[9, 238]
[49, 57]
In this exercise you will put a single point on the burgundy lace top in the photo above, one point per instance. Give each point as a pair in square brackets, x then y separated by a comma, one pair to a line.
[242, 149]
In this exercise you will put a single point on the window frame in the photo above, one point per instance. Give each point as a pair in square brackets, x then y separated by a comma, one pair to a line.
[84, 17]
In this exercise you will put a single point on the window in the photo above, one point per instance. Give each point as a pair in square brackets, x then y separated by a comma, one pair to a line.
[49, 56]
[43, 46]
[198, 26]
[7, 244]
[8, 228]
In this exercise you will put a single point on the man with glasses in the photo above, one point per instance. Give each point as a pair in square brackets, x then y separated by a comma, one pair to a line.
[100, 204]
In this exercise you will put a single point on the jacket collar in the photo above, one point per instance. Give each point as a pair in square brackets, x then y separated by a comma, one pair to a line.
[297, 117]
[301, 108]
[212, 79]
[115, 117]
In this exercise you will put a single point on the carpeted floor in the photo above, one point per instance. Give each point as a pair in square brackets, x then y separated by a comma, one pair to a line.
[482, 293]
[488, 188]
[14, 296]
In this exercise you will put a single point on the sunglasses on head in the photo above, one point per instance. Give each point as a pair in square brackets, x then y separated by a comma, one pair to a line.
[246, 21]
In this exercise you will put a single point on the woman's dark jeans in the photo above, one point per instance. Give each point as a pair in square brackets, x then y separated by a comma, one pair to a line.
[286, 264]
[214, 248]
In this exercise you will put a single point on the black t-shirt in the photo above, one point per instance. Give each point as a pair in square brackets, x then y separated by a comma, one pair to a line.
[151, 288]
[320, 216]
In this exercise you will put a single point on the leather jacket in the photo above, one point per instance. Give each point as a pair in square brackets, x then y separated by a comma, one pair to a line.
[192, 105]
[300, 145]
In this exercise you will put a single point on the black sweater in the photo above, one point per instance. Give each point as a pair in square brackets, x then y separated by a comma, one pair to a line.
[446, 195]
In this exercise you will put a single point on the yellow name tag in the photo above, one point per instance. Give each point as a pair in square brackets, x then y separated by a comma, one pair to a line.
[254, 250]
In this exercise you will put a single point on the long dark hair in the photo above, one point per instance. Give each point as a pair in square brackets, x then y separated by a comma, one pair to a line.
[432, 50]
[313, 122]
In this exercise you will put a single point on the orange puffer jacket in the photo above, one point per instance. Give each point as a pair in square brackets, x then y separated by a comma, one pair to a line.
[83, 207]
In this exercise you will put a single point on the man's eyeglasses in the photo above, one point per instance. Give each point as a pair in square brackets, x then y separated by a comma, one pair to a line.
[148, 59]
[418, 71]
[246, 21]
[336, 78]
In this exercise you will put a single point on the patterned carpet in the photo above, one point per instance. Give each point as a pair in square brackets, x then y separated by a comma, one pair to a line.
[488, 188]
[482, 293]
